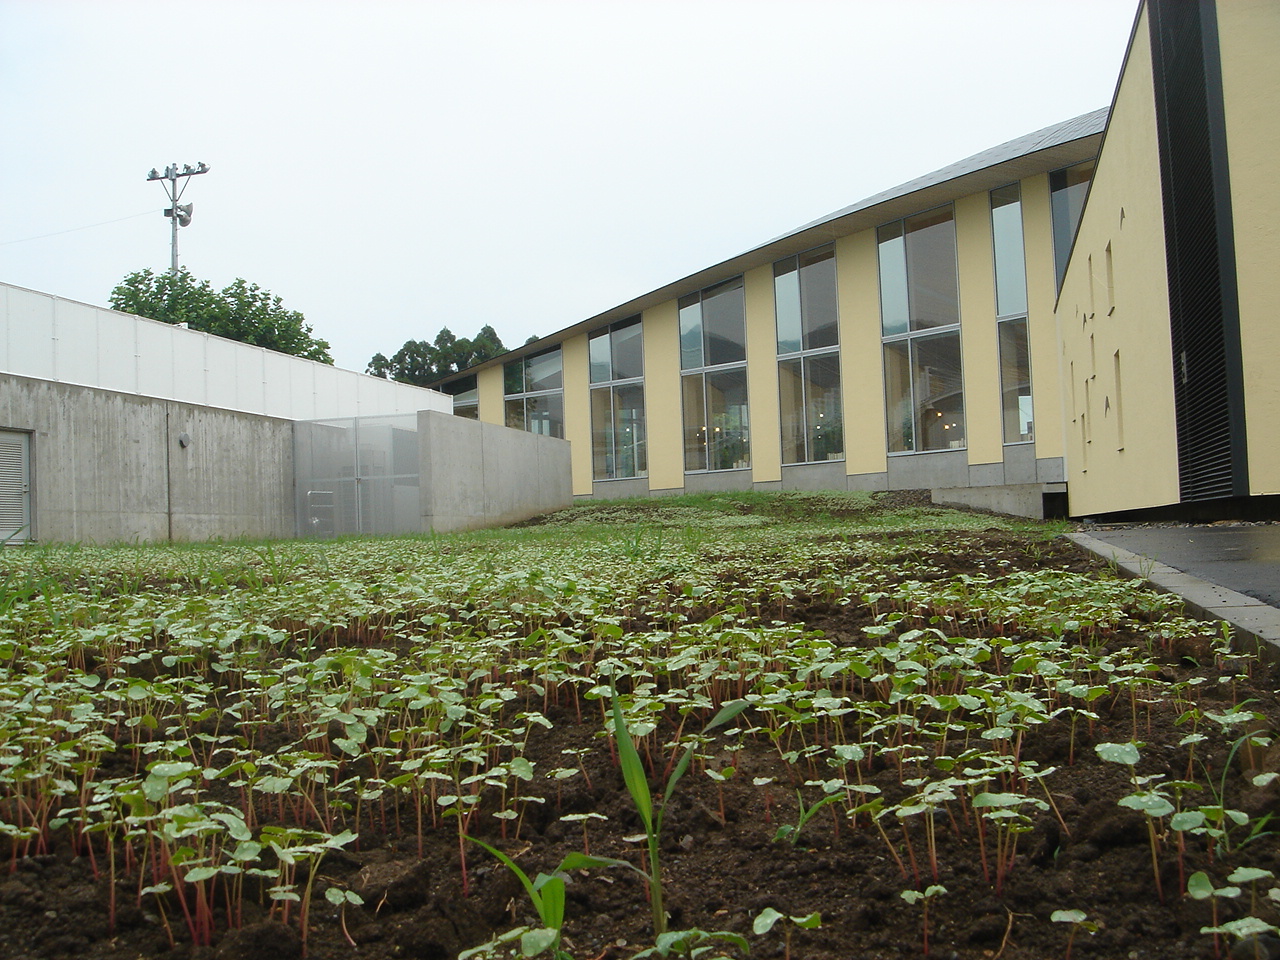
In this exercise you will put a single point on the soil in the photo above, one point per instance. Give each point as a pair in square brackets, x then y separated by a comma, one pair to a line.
[723, 863]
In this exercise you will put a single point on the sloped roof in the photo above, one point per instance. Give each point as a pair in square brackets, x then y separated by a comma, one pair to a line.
[1051, 148]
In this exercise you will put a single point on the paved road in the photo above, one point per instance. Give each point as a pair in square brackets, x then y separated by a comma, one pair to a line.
[1245, 559]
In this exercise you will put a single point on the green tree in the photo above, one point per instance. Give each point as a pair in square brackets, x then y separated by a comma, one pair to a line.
[241, 311]
[426, 361]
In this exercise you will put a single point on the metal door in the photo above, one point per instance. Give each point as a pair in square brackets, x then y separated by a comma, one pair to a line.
[15, 487]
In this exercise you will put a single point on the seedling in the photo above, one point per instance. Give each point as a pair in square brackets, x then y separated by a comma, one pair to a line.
[765, 920]
[923, 898]
[699, 944]
[1078, 920]
[1200, 887]
[547, 894]
[638, 786]
[791, 831]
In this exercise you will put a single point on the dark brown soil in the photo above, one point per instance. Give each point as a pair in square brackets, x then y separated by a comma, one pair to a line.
[723, 864]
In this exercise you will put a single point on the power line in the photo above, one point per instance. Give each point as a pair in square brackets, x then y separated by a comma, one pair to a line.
[89, 226]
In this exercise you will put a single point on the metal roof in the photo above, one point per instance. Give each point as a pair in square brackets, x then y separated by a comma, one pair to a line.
[1060, 145]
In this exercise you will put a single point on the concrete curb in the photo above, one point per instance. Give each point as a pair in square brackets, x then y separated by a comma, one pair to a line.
[1257, 625]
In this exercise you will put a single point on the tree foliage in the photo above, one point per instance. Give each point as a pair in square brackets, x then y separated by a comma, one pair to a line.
[425, 361]
[241, 311]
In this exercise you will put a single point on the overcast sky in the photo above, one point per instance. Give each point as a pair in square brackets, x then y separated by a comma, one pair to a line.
[390, 168]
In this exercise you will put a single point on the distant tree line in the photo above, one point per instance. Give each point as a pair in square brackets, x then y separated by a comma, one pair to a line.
[425, 361]
[240, 311]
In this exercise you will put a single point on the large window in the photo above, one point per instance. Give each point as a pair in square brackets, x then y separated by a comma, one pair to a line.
[1011, 314]
[1067, 189]
[466, 397]
[920, 324]
[616, 356]
[713, 381]
[804, 294]
[534, 388]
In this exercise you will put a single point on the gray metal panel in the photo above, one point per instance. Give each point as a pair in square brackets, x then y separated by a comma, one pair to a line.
[986, 474]
[1020, 463]
[814, 476]
[919, 471]
[15, 490]
[615, 489]
[717, 481]
[1051, 470]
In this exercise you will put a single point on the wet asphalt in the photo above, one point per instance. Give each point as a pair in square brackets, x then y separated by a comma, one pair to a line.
[1242, 558]
[1227, 571]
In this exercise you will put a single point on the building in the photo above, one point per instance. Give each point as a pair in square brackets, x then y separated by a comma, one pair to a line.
[918, 339]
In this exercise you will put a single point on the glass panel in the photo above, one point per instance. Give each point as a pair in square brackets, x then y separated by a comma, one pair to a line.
[1066, 193]
[468, 411]
[545, 415]
[939, 393]
[823, 412]
[602, 433]
[471, 396]
[628, 356]
[544, 372]
[729, 444]
[786, 305]
[931, 269]
[630, 453]
[791, 395]
[600, 359]
[893, 280]
[513, 377]
[1010, 263]
[690, 332]
[515, 414]
[1015, 382]
[695, 423]
[818, 298]
[899, 415]
[723, 323]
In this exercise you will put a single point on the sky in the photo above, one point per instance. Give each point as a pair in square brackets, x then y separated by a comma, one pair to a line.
[390, 167]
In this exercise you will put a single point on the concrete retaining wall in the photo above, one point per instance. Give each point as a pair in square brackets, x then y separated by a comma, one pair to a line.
[477, 474]
[108, 466]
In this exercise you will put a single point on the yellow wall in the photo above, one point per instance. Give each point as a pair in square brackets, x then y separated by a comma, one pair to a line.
[1249, 32]
[762, 376]
[1042, 331]
[1121, 442]
[577, 410]
[490, 393]
[978, 342]
[861, 376]
[664, 421]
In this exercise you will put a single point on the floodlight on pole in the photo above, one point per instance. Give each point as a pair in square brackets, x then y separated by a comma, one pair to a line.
[179, 214]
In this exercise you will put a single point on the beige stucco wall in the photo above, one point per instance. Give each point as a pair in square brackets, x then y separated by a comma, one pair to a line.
[1121, 443]
[489, 393]
[762, 376]
[577, 410]
[662, 415]
[978, 342]
[1249, 33]
[1042, 330]
[861, 370]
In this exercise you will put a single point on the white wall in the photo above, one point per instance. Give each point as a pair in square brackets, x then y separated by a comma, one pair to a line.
[49, 338]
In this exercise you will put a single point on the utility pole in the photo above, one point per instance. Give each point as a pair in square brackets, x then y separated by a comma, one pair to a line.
[179, 214]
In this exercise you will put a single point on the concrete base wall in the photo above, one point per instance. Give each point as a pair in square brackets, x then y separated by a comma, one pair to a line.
[109, 466]
[1017, 500]
[475, 474]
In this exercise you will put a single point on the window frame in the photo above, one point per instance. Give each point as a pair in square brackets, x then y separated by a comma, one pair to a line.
[913, 336]
[524, 394]
[804, 354]
[612, 385]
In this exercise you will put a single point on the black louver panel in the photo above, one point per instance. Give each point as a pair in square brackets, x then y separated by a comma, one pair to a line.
[1207, 387]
